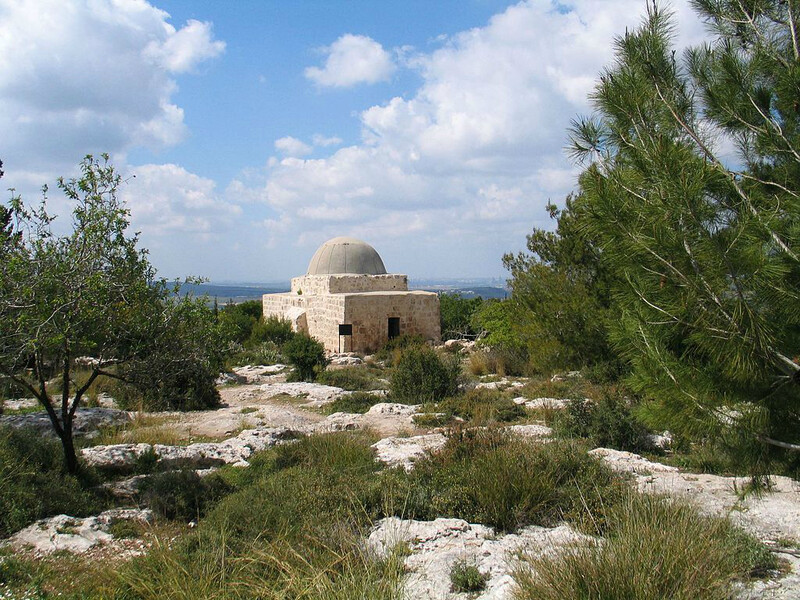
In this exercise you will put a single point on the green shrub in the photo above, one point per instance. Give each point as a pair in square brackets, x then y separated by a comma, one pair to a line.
[182, 495]
[456, 315]
[33, 484]
[421, 375]
[349, 378]
[306, 355]
[357, 402]
[609, 422]
[490, 477]
[264, 353]
[466, 578]
[482, 406]
[237, 321]
[292, 529]
[271, 329]
[657, 548]
[392, 349]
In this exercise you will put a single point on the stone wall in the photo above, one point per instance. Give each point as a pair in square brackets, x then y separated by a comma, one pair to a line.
[316, 285]
[369, 314]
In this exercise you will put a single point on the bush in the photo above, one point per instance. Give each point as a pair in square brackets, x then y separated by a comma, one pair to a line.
[271, 329]
[393, 348]
[306, 355]
[237, 321]
[466, 578]
[482, 406]
[493, 478]
[33, 484]
[421, 375]
[657, 548]
[349, 378]
[456, 315]
[608, 422]
[357, 402]
[183, 495]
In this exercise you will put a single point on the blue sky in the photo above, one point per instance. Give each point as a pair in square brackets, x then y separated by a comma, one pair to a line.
[257, 130]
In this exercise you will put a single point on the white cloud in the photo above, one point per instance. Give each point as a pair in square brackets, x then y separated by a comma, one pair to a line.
[168, 199]
[290, 146]
[80, 77]
[352, 59]
[475, 154]
[184, 49]
[321, 140]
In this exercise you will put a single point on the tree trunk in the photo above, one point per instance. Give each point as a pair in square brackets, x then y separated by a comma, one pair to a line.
[70, 458]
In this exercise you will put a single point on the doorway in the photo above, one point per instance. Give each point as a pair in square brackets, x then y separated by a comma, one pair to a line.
[394, 327]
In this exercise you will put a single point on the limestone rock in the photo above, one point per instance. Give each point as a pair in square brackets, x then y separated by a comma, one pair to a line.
[316, 394]
[345, 359]
[72, 534]
[436, 545]
[539, 403]
[402, 452]
[234, 451]
[87, 421]
[257, 373]
[392, 408]
[502, 384]
[530, 431]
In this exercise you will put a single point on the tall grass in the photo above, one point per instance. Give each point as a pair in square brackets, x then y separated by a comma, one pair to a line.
[493, 478]
[657, 548]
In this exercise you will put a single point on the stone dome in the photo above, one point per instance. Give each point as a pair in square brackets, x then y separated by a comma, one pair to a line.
[346, 255]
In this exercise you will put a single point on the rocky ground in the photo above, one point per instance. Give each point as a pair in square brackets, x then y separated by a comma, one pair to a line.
[261, 409]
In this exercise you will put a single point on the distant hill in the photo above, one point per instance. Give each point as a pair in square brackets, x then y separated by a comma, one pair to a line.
[240, 292]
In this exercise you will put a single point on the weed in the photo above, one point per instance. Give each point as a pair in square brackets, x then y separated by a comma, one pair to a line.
[357, 378]
[357, 402]
[467, 578]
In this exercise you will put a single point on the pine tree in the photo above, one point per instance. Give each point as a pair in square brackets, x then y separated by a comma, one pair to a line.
[704, 244]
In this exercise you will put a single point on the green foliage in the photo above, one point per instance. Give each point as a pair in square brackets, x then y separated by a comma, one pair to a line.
[456, 315]
[394, 347]
[609, 423]
[467, 578]
[237, 321]
[271, 329]
[357, 402]
[306, 355]
[292, 529]
[503, 338]
[182, 495]
[657, 548]
[421, 375]
[33, 484]
[560, 297]
[705, 253]
[493, 478]
[481, 407]
[350, 378]
[92, 292]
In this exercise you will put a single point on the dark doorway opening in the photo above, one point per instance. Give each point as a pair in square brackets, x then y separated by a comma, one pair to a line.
[394, 327]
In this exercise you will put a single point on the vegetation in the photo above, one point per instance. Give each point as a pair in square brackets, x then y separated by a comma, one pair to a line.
[357, 402]
[467, 578]
[657, 548]
[456, 316]
[93, 293]
[705, 255]
[560, 297]
[355, 378]
[306, 355]
[33, 484]
[421, 375]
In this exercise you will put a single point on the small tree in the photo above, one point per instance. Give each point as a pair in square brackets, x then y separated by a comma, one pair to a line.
[421, 375]
[89, 293]
[306, 355]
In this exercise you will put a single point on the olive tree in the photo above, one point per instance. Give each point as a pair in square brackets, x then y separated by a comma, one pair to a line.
[89, 293]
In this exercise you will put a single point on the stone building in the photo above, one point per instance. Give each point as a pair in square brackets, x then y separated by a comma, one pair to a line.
[348, 301]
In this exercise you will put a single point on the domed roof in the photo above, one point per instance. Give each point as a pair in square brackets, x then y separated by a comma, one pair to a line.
[346, 255]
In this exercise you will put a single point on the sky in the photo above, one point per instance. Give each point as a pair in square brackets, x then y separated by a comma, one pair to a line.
[249, 132]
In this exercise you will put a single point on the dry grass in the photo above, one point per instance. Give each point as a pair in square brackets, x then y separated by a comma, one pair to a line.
[143, 429]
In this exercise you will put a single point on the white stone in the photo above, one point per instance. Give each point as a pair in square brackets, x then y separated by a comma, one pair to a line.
[72, 534]
[402, 452]
[437, 545]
